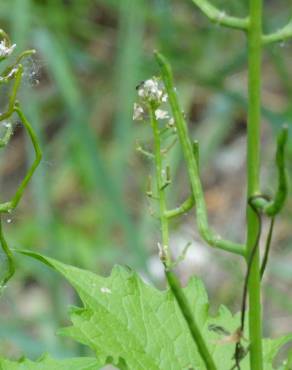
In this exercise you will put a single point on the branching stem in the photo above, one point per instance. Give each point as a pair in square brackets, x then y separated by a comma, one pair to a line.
[189, 150]
[9, 259]
[283, 34]
[220, 17]
[15, 72]
[165, 254]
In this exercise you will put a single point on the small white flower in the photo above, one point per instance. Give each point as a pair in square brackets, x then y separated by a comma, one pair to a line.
[152, 91]
[161, 114]
[105, 290]
[5, 51]
[171, 122]
[138, 112]
[164, 98]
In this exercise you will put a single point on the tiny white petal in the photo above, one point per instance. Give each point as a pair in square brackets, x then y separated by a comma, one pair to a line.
[152, 90]
[138, 112]
[171, 122]
[164, 98]
[161, 114]
[5, 50]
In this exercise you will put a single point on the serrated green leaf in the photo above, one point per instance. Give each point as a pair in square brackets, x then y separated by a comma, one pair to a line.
[47, 363]
[125, 318]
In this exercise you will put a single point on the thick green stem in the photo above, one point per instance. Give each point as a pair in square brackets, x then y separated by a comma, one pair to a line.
[165, 255]
[253, 170]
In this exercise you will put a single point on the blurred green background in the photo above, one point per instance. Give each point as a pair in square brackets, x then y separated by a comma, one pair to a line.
[86, 204]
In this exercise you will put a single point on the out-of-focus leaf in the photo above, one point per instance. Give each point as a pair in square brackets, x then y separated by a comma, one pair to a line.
[47, 363]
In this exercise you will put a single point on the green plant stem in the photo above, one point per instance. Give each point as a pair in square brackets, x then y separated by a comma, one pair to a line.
[253, 170]
[189, 317]
[9, 256]
[6, 137]
[276, 205]
[183, 208]
[189, 151]
[164, 252]
[160, 186]
[272, 207]
[9, 206]
[281, 35]
[268, 247]
[220, 17]
[12, 98]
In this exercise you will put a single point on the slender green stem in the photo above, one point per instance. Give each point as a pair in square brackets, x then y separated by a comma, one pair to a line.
[267, 247]
[14, 72]
[275, 206]
[253, 170]
[183, 208]
[21, 56]
[160, 185]
[6, 137]
[272, 207]
[283, 34]
[189, 317]
[164, 252]
[212, 238]
[12, 99]
[9, 206]
[38, 156]
[220, 17]
[9, 256]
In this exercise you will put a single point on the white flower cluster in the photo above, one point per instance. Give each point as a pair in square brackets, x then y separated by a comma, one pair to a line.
[5, 50]
[150, 91]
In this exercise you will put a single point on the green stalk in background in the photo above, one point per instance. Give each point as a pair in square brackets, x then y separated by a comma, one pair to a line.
[253, 172]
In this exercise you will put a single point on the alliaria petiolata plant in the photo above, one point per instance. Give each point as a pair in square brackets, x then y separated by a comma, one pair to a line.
[129, 323]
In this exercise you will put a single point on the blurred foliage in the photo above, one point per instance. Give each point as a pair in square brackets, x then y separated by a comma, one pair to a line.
[87, 205]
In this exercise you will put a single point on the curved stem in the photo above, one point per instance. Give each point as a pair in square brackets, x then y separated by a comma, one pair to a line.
[212, 238]
[220, 17]
[12, 99]
[272, 207]
[10, 261]
[277, 203]
[6, 137]
[165, 255]
[38, 156]
[8, 206]
[283, 34]
[183, 208]
[253, 169]
[267, 247]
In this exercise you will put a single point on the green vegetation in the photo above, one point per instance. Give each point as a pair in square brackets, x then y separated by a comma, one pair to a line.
[86, 206]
